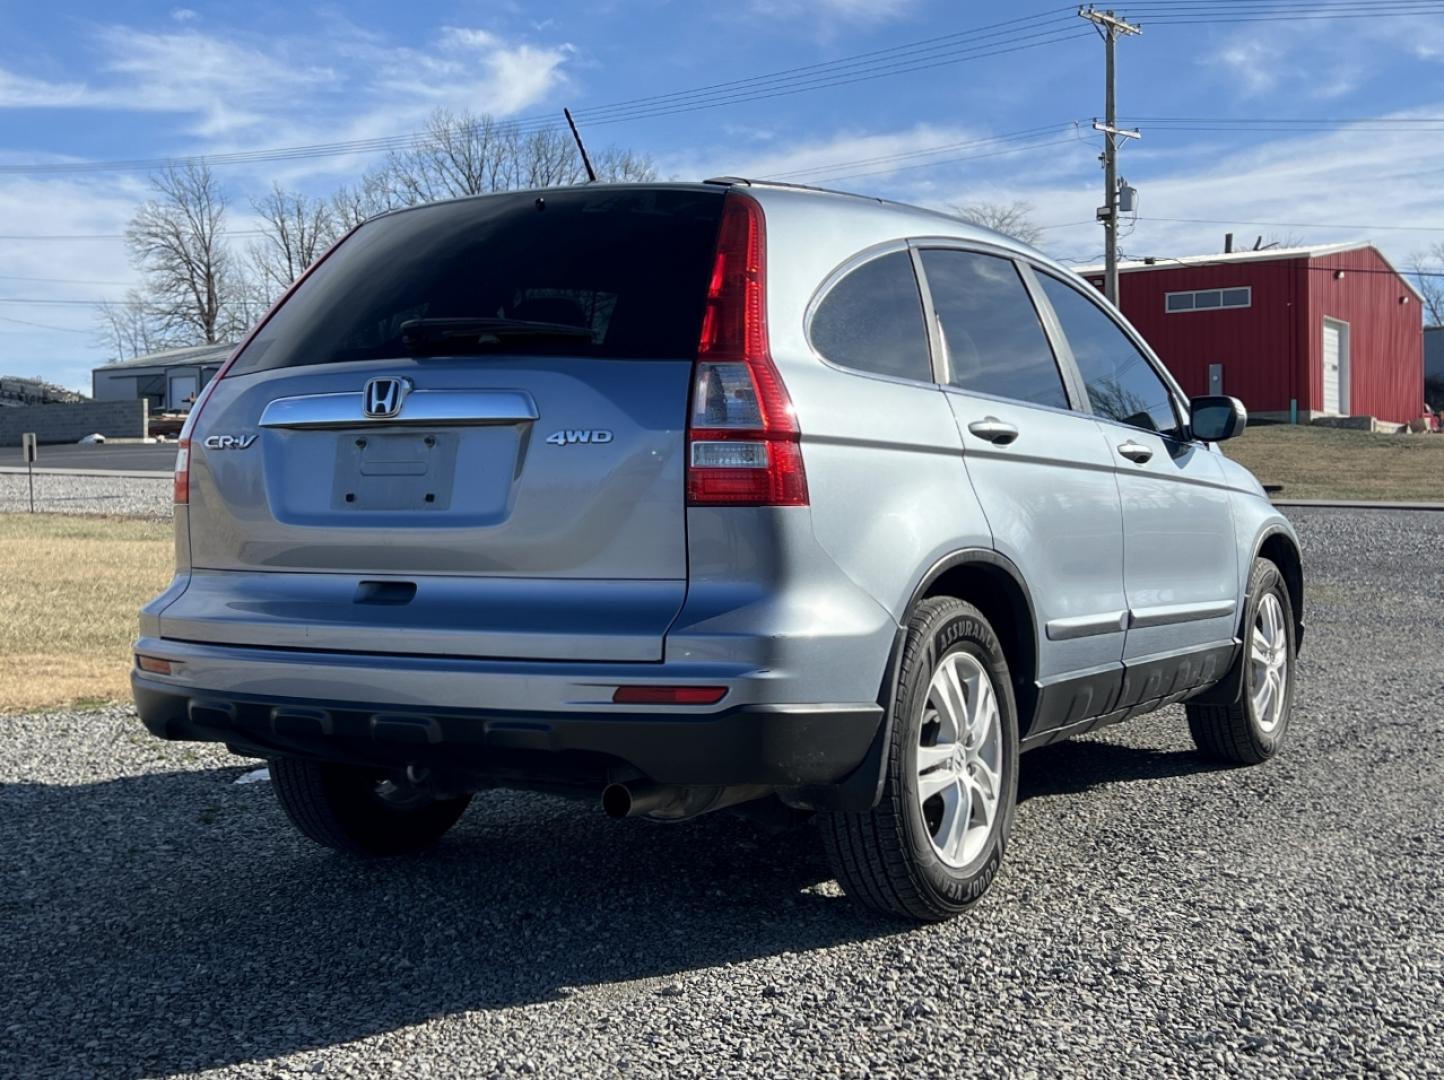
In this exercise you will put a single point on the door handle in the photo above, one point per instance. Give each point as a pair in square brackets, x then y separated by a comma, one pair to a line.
[994, 430]
[1135, 452]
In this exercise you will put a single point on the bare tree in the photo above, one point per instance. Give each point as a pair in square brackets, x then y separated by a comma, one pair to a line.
[125, 328]
[296, 230]
[466, 154]
[1424, 266]
[177, 241]
[1013, 219]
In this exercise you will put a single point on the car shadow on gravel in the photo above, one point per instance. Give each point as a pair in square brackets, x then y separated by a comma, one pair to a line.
[174, 922]
[1073, 767]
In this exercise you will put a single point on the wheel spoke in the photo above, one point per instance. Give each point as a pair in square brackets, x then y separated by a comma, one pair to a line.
[953, 687]
[986, 778]
[982, 709]
[949, 706]
[931, 783]
[954, 826]
[1263, 699]
[930, 757]
[1259, 652]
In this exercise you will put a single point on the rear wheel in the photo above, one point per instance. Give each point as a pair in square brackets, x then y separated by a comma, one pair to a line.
[1251, 729]
[362, 811]
[932, 845]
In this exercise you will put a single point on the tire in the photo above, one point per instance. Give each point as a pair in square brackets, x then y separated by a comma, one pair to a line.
[903, 857]
[347, 808]
[1251, 730]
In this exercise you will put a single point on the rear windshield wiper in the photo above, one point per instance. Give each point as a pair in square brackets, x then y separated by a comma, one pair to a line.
[429, 336]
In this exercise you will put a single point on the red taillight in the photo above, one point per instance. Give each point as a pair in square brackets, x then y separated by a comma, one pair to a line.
[669, 695]
[743, 442]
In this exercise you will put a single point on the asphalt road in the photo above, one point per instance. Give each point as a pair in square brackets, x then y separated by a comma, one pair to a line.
[106, 457]
[1155, 916]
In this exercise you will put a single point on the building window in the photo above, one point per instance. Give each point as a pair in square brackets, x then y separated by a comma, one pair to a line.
[1209, 299]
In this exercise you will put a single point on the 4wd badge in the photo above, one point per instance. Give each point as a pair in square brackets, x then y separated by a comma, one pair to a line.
[579, 435]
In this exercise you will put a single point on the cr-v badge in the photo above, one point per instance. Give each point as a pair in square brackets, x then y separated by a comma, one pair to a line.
[229, 442]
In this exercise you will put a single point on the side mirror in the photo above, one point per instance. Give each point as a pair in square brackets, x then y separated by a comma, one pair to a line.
[1217, 417]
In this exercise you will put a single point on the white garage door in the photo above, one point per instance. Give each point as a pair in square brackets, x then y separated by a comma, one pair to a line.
[1336, 366]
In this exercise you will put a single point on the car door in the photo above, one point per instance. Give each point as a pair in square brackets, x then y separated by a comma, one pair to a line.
[1041, 473]
[1180, 559]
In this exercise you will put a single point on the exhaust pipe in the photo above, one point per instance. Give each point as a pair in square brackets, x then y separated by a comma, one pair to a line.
[673, 802]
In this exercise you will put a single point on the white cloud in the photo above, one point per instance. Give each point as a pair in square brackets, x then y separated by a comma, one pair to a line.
[1253, 66]
[1324, 188]
[19, 91]
[851, 11]
[182, 15]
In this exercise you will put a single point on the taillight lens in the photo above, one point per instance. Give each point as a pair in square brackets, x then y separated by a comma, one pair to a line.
[743, 442]
[183, 472]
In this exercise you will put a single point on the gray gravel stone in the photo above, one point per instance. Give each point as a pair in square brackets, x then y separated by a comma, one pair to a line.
[1156, 916]
[61, 493]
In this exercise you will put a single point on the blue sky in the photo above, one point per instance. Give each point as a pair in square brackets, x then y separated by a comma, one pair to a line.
[140, 81]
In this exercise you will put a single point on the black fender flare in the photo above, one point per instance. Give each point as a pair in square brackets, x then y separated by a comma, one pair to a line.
[1227, 690]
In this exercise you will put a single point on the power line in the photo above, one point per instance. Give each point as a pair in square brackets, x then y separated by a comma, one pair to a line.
[1028, 133]
[42, 326]
[65, 281]
[1300, 224]
[949, 161]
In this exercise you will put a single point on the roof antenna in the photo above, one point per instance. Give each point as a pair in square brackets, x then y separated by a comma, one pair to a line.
[591, 172]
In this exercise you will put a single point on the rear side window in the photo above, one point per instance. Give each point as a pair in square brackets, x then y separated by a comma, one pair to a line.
[995, 340]
[629, 267]
[872, 321]
[1120, 381]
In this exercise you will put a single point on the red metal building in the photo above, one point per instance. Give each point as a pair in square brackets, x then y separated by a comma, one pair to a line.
[1298, 332]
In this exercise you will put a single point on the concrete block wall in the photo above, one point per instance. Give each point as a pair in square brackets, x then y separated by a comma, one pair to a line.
[70, 423]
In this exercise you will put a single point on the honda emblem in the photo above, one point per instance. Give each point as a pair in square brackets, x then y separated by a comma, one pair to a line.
[382, 397]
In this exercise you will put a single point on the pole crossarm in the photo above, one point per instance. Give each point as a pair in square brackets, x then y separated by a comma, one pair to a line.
[1109, 21]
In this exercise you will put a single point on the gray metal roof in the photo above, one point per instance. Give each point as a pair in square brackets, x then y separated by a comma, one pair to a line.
[188, 356]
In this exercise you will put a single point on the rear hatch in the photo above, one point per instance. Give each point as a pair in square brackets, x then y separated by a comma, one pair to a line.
[462, 435]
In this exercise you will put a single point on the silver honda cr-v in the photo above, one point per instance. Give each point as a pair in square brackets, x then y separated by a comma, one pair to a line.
[698, 495]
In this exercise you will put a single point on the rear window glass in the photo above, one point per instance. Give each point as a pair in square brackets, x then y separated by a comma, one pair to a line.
[628, 266]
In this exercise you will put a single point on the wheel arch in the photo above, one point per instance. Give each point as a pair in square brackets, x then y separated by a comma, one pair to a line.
[1277, 544]
[990, 582]
[994, 585]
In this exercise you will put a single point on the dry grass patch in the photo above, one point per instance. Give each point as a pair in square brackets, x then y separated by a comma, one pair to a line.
[1328, 463]
[70, 588]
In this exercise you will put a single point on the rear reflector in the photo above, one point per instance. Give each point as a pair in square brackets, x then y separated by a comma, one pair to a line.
[669, 695]
[154, 664]
[742, 433]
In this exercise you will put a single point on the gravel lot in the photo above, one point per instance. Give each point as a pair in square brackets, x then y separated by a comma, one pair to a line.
[59, 493]
[1155, 916]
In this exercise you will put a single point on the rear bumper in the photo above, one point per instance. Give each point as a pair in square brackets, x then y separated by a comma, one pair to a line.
[766, 744]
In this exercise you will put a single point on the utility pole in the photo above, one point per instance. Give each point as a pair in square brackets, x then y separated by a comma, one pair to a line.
[1109, 28]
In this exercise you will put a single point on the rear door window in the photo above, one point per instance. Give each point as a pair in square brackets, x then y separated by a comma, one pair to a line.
[626, 269]
[995, 340]
[1119, 379]
[872, 321]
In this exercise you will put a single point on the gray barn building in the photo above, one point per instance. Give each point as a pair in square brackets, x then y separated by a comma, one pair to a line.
[169, 380]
